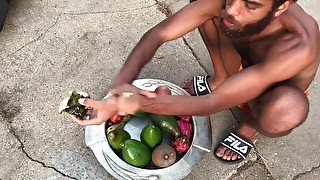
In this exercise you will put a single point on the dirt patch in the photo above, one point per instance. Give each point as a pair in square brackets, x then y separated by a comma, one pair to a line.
[164, 8]
[9, 104]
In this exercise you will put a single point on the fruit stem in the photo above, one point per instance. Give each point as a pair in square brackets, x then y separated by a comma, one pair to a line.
[166, 156]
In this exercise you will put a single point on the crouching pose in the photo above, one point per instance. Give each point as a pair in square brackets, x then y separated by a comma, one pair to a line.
[264, 55]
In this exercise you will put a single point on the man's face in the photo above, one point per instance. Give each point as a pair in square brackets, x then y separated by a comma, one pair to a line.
[244, 18]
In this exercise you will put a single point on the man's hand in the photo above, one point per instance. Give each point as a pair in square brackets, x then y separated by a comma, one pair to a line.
[124, 99]
[130, 103]
[128, 88]
[130, 98]
[100, 111]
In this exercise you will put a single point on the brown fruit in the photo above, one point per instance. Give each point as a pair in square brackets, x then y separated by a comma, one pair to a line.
[162, 90]
[163, 156]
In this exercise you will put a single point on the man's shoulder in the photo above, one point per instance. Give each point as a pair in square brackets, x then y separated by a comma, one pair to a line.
[219, 3]
[212, 7]
[296, 16]
[301, 25]
[302, 35]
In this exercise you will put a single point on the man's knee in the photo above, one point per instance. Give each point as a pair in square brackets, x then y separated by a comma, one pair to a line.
[282, 109]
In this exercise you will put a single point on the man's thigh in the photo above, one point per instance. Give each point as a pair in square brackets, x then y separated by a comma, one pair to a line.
[280, 109]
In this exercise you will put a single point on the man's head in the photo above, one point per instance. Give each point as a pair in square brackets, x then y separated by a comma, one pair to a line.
[244, 18]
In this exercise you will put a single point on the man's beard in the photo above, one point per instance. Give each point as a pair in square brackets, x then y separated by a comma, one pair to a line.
[247, 30]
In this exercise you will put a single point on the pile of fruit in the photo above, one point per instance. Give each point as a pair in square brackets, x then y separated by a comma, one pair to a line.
[151, 150]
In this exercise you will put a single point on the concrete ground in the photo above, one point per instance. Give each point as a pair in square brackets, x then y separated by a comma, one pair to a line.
[48, 48]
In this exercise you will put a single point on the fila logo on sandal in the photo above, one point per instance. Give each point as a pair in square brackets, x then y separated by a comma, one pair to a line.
[235, 144]
[200, 80]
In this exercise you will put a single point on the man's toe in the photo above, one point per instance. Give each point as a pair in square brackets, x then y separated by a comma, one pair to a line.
[234, 157]
[226, 154]
[186, 83]
[230, 156]
[220, 151]
[188, 86]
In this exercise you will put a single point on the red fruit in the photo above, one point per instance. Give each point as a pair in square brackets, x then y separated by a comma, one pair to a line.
[162, 90]
[181, 144]
[185, 118]
[185, 128]
[116, 118]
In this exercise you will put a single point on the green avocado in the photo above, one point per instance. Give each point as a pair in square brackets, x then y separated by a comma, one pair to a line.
[141, 114]
[166, 123]
[136, 153]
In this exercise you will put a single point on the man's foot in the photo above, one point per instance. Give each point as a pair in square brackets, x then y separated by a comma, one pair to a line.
[224, 153]
[200, 85]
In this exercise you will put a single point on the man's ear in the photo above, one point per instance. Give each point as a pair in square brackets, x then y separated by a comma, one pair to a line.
[282, 8]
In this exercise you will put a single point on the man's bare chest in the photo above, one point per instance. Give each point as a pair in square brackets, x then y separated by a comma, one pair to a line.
[254, 53]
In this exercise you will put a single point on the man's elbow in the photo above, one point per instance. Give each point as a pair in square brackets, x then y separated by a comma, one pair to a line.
[155, 35]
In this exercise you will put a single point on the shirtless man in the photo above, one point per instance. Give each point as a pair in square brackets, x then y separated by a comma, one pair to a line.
[275, 42]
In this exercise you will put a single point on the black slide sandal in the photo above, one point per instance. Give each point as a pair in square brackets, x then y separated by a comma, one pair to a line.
[201, 85]
[237, 144]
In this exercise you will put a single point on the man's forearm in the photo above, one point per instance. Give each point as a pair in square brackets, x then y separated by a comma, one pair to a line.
[140, 55]
[228, 94]
[178, 105]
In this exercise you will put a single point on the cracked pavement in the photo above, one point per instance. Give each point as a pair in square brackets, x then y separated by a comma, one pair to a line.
[30, 158]
[49, 48]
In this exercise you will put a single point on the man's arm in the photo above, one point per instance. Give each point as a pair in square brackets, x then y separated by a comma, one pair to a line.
[289, 56]
[175, 26]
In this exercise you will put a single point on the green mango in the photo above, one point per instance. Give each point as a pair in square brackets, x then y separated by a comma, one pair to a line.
[136, 153]
[117, 137]
[166, 123]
